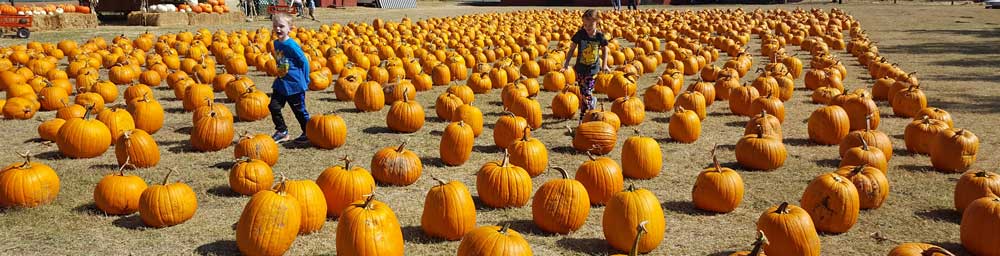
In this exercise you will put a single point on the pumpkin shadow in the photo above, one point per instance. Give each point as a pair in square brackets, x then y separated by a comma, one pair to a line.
[488, 149]
[328, 99]
[528, 227]
[224, 165]
[183, 130]
[832, 162]
[898, 136]
[496, 103]
[667, 140]
[553, 122]
[170, 143]
[88, 209]
[35, 140]
[493, 113]
[132, 222]
[432, 161]
[947, 215]
[685, 207]
[223, 191]
[903, 152]
[377, 130]
[296, 145]
[437, 133]
[564, 150]
[953, 247]
[586, 246]
[105, 166]
[730, 147]
[221, 100]
[662, 119]
[221, 247]
[737, 124]
[174, 110]
[51, 155]
[723, 253]
[717, 113]
[799, 142]
[414, 234]
[181, 148]
[349, 110]
[916, 168]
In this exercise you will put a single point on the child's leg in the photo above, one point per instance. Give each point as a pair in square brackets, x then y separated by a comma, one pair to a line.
[298, 103]
[586, 83]
[277, 102]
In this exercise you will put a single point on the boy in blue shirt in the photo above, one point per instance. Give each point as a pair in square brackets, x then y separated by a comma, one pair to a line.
[292, 81]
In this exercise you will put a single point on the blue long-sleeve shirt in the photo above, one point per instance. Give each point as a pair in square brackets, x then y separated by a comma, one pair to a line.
[297, 79]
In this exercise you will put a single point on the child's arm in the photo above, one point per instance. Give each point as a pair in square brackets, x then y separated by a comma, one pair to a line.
[569, 55]
[300, 59]
[604, 62]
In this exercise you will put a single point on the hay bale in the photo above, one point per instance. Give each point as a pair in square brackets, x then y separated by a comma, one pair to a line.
[44, 23]
[203, 19]
[77, 20]
[165, 19]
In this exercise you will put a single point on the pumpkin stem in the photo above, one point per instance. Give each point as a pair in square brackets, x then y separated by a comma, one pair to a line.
[760, 131]
[440, 181]
[981, 174]
[864, 144]
[868, 122]
[562, 171]
[527, 132]
[166, 177]
[936, 250]
[86, 114]
[570, 130]
[504, 228]
[783, 208]
[347, 162]
[758, 245]
[640, 230]
[715, 159]
[121, 169]
[27, 159]
[368, 201]
[401, 146]
[631, 187]
[857, 169]
[506, 157]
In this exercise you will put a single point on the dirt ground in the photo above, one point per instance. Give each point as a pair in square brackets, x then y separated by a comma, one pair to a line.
[953, 49]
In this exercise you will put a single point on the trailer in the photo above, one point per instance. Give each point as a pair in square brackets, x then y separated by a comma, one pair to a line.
[19, 24]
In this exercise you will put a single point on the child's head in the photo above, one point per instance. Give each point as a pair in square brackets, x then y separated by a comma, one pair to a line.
[590, 20]
[282, 24]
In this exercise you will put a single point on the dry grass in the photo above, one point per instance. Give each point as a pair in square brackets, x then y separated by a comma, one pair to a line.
[953, 48]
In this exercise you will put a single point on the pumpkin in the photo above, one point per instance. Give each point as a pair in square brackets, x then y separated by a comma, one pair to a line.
[658, 98]
[770, 124]
[641, 157]
[369, 97]
[603, 116]
[28, 184]
[236, 88]
[630, 110]
[118, 194]
[249, 176]
[493, 240]
[343, 185]
[832, 202]
[311, 203]
[502, 185]
[480, 83]
[20, 108]
[596, 137]
[270, 222]
[770, 105]
[204, 111]
[565, 104]
[560, 205]
[472, 117]
[936, 113]
[530, 109]
[871, 183]
[908, 102]
[973, 185]
[707, 90]
[197, 95]
[405, 116]
[741, 98]
[758, 246]
[790, 231]
[147, 114]
[456, 143]
[137, 148]
[602, 177]
[919, 249]
[865, 155]
[917, 133]
[828, 125]
[717, 189]
[446, 104]
[117, 120]
[684, 125]
[554, 81]
[862, 112]
[259, 146]
[449, 211]
[326, 131]
[398, 90]
[463, 92]
[253, 105]
[626, 210]
[952, 150]
[759, 152]
[83, 137]
[212, 133]
[508, 128]
[167, 205]
[369, 227]
[346, 87]
[980, 222]
[873, 138]
[49, 130]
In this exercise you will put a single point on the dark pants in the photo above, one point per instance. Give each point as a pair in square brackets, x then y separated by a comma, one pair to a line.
[298, 102]
[633, 4]
[588, 102]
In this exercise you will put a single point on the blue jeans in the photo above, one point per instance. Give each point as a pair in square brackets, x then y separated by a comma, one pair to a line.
[298, 103]
[617, 4]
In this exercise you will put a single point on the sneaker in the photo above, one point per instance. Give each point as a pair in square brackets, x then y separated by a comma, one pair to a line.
[302, 139]
[280, 136]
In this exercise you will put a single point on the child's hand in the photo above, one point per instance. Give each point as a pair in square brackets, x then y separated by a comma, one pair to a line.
[607, 69]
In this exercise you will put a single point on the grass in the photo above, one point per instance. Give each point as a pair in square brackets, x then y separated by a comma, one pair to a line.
[955, 61]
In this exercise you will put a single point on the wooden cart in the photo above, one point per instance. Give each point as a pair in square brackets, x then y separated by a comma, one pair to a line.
[19, 24]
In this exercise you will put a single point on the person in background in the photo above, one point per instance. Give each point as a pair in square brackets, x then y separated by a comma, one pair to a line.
[292, 81]
[591, 48]
[617, 4]
[633, 4]
[311, 5]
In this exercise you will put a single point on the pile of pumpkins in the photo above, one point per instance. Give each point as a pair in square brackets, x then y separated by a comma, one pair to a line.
[387, 63]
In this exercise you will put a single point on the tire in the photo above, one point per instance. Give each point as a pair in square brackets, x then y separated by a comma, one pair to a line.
[23, 33]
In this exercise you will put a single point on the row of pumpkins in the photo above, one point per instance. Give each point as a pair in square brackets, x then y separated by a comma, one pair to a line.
[690, 46]
[48, 9]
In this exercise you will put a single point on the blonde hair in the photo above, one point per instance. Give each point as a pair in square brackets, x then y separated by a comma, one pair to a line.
[591, 14]
[282, 17]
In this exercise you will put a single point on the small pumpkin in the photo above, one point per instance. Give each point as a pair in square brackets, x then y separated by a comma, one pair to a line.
[626, 210]
[28, 184]
[560, 205]
[343, 185]
[118, 194]
[137, 148]
[369, 227]
[167, 205]
[249, 176]
[717, 189]
[832, 202]
[493, 240]
[456, 143]
[449, 211]
[980, 222]
[502, 185]
[270, 222]
[790, 231]
[602, 177]
[954, 150]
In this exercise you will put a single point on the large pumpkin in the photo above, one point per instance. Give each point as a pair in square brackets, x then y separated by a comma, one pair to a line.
[602, 177]
[147, 113]
[560, 205]
[828, 125]
[326, 131]
[259, 146]
[789, 230]
[405, 116]
[596, 137]
[471, 115]
[212, 133]
[973, 185]
[28, 184]
[508, 128]
[456, 143]
[311, 203]
[343, 185]
[166, 205]
[396, 166]
[953, 150]
[84, 137]
[717, 189]
[832, 202]
[369, 227]
[684, 126]
[137, 148]
[502, 185]
[919, 249]
[449, 211]
[118, 193]
[759, 152]
[625, 211]
[249, 176]
[641, 157]
[919, 134]
[980, 227]
[494, 240]
[871, 183]
[269, 223]
[529, 153]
